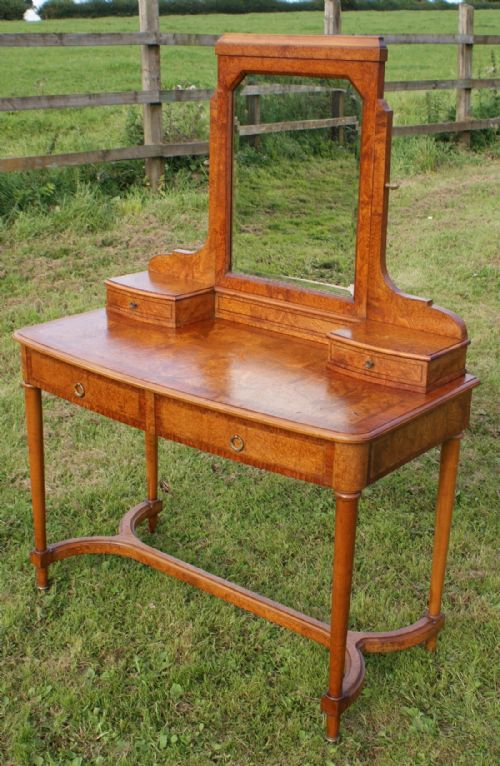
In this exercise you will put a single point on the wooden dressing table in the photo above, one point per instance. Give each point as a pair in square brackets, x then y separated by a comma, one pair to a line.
[335, 391]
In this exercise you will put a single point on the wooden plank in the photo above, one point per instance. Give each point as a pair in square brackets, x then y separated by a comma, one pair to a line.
[186, 94]
[464, 67]
[178, 38]
[403, 85]
[280, 89]
[117, 98]
[278, 127]
[486, 39]
[79, 100]
[427, 39]
[149, 20]
[445, 127]
[12, 164]
[42, 39]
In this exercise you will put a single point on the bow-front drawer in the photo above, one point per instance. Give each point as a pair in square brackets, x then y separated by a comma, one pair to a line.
[136, 305]
[261, 445]
[117, 400]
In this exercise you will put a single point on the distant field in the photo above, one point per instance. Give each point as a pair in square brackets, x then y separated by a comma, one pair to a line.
[37, 71]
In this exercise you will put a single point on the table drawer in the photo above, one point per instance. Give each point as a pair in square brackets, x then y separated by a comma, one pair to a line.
[88, 389]
[143, 308]
[377, 366]
[300, 456]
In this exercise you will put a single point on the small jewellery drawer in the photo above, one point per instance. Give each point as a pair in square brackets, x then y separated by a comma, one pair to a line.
[143, 308]
[297, 455]
[88, 389]
[380, 366]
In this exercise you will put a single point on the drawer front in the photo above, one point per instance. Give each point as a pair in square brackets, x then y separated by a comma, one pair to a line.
[301, 457]
[139, 307]
[108, 397]
[376, 366]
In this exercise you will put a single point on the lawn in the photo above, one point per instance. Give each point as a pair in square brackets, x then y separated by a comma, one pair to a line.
[118, 665]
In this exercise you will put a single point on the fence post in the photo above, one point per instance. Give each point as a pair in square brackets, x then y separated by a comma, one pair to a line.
[333, 23]
[149, 20]
[464, 67]
[333, 26]
[253, 108]
[337, 110]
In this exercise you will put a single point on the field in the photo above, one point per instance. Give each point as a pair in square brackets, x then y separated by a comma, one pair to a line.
[117, 664]
[45, 71]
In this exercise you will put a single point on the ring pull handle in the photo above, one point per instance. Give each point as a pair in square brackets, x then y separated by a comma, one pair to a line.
[237, 443]
[79, 390]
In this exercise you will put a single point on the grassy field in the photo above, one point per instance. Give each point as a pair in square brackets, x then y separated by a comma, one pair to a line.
[117, 664]
[72, 70]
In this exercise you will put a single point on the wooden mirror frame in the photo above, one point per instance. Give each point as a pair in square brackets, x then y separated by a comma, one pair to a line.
[363, 66]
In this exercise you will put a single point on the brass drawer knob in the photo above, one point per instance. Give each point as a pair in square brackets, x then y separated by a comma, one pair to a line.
[79, 390]
[133, 305]
[237, 443]
[369, 364]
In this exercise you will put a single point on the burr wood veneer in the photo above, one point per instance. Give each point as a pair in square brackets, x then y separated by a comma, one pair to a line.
[335, 391]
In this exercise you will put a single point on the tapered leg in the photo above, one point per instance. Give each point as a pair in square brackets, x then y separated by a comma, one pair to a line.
[152, 458]
[343, 559]
[152, 474]
[34, 424]
[450, 452]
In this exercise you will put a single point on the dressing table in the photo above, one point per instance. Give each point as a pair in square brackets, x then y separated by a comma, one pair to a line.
[334, 390]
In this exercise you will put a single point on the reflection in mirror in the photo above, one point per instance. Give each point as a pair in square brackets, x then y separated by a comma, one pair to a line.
[295, 181]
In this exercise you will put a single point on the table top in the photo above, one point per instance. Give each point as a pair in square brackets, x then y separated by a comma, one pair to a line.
[230, 367]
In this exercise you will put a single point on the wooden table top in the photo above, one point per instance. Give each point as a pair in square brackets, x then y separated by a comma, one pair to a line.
[258, 374]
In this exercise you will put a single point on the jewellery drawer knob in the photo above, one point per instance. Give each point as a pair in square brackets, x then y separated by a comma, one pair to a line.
[237, 443]
[133, 305]
[369, 364]
[79, 390]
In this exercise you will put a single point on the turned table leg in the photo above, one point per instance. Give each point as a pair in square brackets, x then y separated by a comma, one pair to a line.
[346, 512]
[34, 424]
[450, 452]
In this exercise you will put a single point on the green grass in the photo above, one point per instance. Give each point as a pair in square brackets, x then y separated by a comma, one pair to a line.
[40, 71]
[118, 664]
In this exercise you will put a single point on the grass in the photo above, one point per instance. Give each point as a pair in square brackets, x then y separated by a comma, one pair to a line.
[119, 665]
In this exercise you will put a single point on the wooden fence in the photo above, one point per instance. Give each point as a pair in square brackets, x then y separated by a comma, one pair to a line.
[154, 151]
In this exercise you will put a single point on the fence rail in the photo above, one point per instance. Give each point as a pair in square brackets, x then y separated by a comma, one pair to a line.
[86, 39]
[151, 97]
[119, 98]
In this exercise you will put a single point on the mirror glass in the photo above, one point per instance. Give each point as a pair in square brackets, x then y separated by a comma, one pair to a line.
[295, 181]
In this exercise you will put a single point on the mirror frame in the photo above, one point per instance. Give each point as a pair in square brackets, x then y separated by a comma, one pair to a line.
[359, 60]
